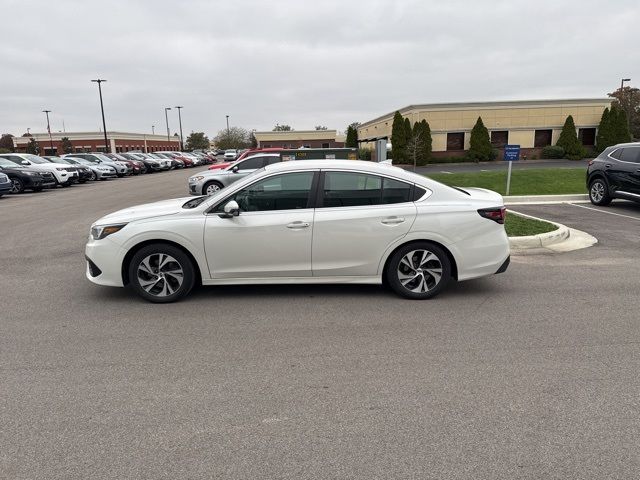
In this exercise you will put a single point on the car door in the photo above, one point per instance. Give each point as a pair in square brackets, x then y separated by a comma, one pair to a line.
[271, 237]
[357, 218]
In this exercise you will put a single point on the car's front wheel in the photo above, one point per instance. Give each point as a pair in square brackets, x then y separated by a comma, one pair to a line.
[599, 192]
[16, 185]
[211, 187]
[418, 271]
[161, 273]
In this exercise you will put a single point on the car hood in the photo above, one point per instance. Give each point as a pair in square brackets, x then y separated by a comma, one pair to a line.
[147, 210]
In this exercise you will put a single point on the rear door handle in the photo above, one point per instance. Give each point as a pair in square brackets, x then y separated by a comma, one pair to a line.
[298, 225]
[392, 220]
[607, 165]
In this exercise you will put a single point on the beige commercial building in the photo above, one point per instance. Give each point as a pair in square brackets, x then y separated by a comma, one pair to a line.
[532, 124]
[300, 138]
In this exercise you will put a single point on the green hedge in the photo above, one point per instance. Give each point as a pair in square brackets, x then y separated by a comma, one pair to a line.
[552, 152]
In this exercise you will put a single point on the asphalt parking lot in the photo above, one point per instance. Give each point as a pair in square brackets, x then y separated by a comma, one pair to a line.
[528, 374]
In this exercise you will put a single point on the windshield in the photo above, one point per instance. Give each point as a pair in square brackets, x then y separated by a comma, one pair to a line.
[104, 158]
[35, 158]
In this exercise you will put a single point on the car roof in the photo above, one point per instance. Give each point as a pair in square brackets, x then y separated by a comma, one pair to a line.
[360, 165]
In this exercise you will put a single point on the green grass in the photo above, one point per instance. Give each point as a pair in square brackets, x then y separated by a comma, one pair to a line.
[517, 226]
[543, 181]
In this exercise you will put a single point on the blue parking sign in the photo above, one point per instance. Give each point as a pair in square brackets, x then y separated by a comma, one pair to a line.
[511, 152]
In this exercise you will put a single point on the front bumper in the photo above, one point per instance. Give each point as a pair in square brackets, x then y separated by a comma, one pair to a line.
[196, 188]
[106, 262]
[5, 187]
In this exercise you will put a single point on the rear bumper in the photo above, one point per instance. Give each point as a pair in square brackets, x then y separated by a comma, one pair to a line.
[504, 266]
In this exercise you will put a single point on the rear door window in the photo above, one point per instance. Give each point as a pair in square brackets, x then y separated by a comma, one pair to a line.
[630, 155]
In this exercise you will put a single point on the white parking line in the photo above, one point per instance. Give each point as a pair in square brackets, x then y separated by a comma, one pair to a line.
[603, 211]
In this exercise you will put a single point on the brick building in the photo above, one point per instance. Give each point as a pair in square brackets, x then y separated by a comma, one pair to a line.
[94, 142]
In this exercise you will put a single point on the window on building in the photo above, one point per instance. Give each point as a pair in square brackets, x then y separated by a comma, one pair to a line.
[587, 136]
[499, 138]
[455, 141]
[266, 145]
[325, 145]
[542, 138]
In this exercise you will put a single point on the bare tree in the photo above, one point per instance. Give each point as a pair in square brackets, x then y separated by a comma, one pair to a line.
[415, 146]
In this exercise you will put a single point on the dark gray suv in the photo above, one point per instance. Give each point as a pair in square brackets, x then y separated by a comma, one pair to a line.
[615, 173]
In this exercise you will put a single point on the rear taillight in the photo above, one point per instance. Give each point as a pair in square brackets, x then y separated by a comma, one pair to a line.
[497, 214]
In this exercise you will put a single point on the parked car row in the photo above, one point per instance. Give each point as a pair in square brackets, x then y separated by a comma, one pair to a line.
[24, 171]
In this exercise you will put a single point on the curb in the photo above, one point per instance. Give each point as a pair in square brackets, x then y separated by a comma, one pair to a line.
[529, 199]
[541, 240]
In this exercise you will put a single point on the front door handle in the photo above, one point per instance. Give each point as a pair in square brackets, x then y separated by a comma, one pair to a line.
[392, 220]
[607, 165]
[298, 225]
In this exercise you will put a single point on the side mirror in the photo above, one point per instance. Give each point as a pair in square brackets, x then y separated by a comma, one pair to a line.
[235, 169]
[231, 209]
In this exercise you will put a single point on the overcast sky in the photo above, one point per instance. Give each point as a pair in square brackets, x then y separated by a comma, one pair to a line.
[300, 63]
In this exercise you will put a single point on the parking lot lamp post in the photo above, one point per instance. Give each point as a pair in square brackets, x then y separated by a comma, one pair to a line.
[227, 124]
[153, 129]
[180, 121]
[104, 125]
[166, 117]
[47, 112]
[622, 97]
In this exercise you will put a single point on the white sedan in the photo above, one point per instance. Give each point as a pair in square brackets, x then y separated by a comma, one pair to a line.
[326, 221]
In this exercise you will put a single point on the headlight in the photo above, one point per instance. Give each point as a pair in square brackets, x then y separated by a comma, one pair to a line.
[32, 174]
[102, 231]
[60, 169]
[196, 178]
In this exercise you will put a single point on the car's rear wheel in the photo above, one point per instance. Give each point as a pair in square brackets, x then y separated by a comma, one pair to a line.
[599, 192]
[161, 273]
[418, 271]
[212, 187]
[94, 176]
[16, 185]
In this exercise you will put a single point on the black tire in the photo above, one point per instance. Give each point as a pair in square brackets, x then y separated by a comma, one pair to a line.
[159, 292]
[94, 176]
[16, 185]
[420, 282]
[38, 189]
[213, 186]
[599, 192]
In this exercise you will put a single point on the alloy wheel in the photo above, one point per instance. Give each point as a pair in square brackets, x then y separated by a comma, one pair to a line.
[160, 274]
[212, 188]
[419, 271]
[16, 185]
[597, 191]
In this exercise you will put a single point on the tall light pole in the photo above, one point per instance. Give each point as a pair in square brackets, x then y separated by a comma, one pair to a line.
[47, 112]
[104, 125]
[227, 124]
[166, 117]
[180, 120]
[622, 98]
[153, 129]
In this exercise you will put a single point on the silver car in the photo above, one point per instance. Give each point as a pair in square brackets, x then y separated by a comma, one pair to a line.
[121, 168]
[210, 181]
[98, 171]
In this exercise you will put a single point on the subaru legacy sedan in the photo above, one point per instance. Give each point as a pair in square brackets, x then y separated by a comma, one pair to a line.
[327, 221]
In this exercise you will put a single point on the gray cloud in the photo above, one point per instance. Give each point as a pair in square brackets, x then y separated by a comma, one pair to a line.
[297, 62]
